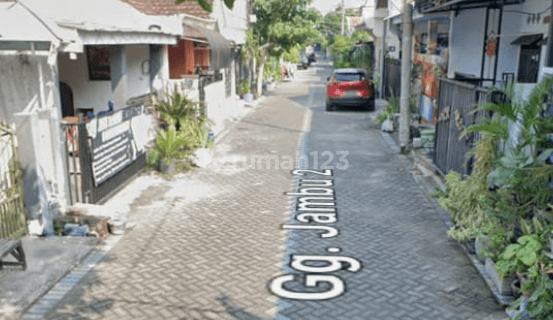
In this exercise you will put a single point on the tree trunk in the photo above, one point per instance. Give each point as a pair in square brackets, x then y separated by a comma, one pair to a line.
[260, 72]
[252, 75]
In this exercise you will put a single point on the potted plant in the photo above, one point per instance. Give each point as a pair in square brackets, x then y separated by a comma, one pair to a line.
[508, 197]
[244, 91]
[185, 130]
[169, 148]
[481, 245]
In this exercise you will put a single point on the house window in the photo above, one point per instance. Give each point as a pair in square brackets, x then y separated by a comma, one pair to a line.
[202, 55]
[529, 63]
[181, 59]
[382, 4]
[443, 42]
[188, 58]
[98, 63]
[424, 43]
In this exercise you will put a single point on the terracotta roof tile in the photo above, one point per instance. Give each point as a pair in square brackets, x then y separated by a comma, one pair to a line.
[169, 7]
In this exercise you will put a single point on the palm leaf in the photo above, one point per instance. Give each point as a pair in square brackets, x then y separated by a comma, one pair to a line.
[169, 144]
[205, 5]
[229, 4]
[496, 128]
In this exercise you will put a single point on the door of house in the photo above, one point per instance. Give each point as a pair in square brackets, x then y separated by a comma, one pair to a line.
[529, 63]
[66, 95]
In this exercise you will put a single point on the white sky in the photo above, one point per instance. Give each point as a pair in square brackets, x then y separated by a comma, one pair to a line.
[325, 6]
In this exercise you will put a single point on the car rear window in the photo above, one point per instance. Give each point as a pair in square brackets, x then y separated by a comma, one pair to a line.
[349, 76]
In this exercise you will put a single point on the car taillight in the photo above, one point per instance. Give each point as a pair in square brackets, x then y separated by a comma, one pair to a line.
[363, 93]
[334, 91]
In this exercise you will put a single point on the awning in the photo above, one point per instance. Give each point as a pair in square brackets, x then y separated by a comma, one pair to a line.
[543, 42]
[527, 40]
[396, 19]
[220, 48]
[18, 24]
[126, 38]
[427, 6]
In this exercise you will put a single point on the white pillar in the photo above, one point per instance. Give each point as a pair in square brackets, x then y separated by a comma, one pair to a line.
[404, 126]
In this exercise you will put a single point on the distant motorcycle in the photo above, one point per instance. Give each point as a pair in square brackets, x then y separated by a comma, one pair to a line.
[288, 71]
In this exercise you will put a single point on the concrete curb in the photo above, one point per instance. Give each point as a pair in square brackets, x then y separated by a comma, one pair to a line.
[428, 169]
[53, 295]
[41, 291]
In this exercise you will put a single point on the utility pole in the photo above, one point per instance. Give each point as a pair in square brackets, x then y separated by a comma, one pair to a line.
[342, 31]
[550, 41]
[404, 126]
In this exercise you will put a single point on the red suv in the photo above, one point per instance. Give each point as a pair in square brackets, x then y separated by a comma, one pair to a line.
[350, 87]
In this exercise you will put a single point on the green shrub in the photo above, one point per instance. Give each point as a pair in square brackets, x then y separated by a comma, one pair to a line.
[153, 159]
[176, 107]
[292, 55]
[390, 110]
[516, 214]
[244, 87]
[169, 144]
[186, 130]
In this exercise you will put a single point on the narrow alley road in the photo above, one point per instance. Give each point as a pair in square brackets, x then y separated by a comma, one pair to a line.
[213, 243]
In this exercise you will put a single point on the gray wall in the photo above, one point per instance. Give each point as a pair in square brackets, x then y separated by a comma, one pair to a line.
[29, 100]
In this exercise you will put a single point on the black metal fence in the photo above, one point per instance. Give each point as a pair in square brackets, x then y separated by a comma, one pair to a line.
[391, 78]
[79, 168]
[456, 111]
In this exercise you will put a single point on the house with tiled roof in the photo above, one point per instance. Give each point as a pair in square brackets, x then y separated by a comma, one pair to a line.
[169, 7]
[205, 64]
[73, 87]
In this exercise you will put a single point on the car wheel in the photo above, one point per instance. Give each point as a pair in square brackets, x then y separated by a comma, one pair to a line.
[370, 105]
[328, 106]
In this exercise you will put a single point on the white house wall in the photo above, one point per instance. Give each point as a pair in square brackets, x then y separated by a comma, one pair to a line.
[233, 24]
[532, 28]
[95, 94]
[395, 7]
[20, 83]
[392, 39]
[508, 53]
[138, 78]
[220, 109]
[465, 46]
[533, 6]
[467, 36]
[87, 94]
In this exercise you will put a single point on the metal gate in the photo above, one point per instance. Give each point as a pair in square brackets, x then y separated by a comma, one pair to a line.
[12, 208]
[391, 78]
[82, 187]
[456, 111]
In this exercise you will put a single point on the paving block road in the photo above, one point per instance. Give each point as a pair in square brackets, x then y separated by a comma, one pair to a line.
[209, 244]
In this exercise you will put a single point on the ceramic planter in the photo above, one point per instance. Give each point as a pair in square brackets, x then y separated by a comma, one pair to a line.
[503, 285]
[470, 245]
[515, 288]
[167, 166]
[481, 243]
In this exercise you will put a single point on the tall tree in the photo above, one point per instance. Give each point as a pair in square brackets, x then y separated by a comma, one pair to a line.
[280, 26]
